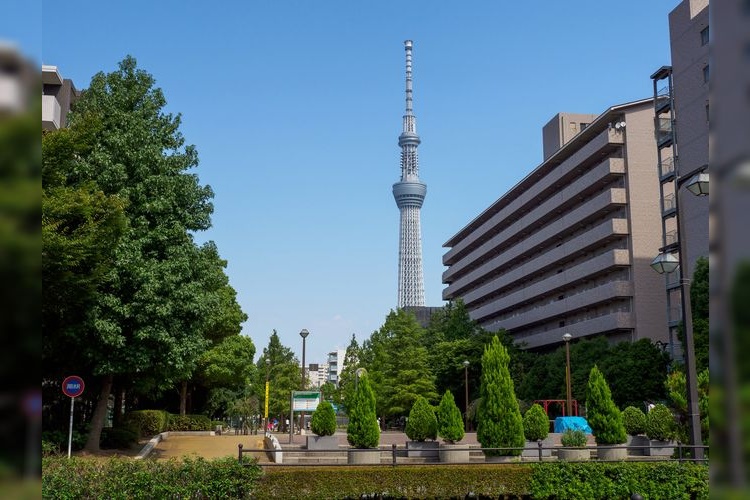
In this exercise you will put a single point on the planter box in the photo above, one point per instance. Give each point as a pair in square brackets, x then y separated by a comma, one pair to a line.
[322, 443]
[454, 453]
[424, 449]
[359, 456]
[637, 445]
[532, 448]
[574, 454]
[612, 453]
[659, 448]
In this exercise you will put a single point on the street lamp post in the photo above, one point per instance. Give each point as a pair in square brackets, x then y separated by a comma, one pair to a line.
[265, 413]
[569, 391]
[304, 333]
[666, 262]
[466, 393]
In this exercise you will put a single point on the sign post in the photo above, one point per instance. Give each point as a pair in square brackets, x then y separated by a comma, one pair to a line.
[72, 387]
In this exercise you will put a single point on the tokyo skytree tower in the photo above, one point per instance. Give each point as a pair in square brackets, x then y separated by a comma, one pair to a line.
[409, 193]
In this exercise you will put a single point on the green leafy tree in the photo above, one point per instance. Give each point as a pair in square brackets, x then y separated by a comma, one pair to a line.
[323, 420]
[422, 423]
[676, 385]
[450, 425]
[229, 363]
[363, 430]
[602, 414]
[156, 305]
[330, 392]
[535, 423]
[348, 373]
[399, 368]
[284, 376]
[499, 419]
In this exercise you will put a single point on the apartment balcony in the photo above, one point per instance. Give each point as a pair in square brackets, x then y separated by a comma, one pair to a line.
[51, 113]
[669, 205]
[671, 238]
[663, 130]
[663, 100]
[563, 174]
[570, 304]
[613, 322]
[526, 227]
[673, 279]
[666, 169]
[571, 277]
[674, 315]
[597, 236]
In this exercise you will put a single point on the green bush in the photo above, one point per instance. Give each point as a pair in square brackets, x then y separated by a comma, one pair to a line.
[535, 423]
[119, 438]
[189, 423]
[660, 425]
[500, 426]
[634, 420]
[422, 423]
[569, 480]
[194, 478]
[602, 414]
[363, 430]
[404, 481]
[59, 440]
[323, 420]
[551, 480]
[450, 423]
[147, 422]
[573, 438]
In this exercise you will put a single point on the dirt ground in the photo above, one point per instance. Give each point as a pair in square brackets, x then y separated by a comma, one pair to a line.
[207, 446]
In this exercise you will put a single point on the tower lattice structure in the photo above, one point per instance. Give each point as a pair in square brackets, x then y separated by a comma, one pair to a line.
[409, 193]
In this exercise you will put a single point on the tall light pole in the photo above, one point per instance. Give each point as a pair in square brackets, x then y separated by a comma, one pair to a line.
[569, 391]
[304, 333]
[265, 413]
[666, 262]
[466, 394]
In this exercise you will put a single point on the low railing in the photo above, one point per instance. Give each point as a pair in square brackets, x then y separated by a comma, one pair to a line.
[680, 453]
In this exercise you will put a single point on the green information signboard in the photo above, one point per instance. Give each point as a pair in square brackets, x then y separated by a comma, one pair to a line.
[305, 400]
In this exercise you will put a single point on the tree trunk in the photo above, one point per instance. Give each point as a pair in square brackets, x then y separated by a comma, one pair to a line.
[117, 413]
[100, 413]
[183, 397]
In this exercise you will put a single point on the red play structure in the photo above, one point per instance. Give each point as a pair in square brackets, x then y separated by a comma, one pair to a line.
[546, 403]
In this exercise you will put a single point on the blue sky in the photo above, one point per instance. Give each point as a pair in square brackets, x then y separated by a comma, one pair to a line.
[295, 108]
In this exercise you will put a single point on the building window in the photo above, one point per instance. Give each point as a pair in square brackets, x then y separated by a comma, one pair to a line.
[704, 36]
[583, 126]
[706, 73]
[572, 126]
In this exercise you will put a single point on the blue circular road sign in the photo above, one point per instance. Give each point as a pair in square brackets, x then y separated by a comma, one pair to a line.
[73, 386]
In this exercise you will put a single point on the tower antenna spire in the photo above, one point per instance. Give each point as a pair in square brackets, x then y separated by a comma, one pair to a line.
[409, 193]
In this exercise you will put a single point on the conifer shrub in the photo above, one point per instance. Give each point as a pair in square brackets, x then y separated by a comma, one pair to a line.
[422, 423]
[634, 420]
[450, 423]
[603, 416]
[363, 430]
[660, 424]
[323, 420]
[573, 438]
[535, 423]
[499, 424]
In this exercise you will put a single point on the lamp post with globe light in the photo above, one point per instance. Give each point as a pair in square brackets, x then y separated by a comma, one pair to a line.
[568, 389]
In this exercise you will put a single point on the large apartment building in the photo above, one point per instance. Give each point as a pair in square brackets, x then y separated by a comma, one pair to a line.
[568, 248]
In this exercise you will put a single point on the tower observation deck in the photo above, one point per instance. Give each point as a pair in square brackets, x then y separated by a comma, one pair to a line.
[409, 193]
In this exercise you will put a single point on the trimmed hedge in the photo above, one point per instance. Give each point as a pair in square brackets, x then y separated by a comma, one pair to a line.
[323, 420]
[147, 422]
[566, 480]
[422, 423]
[573, 438]
[535, 423]
[124, 478]
[189, 423]
[634, 420]
[660, 423]
[408, 481]
[558, 480]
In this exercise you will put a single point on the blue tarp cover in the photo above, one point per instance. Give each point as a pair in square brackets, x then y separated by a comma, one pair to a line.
[563, 423]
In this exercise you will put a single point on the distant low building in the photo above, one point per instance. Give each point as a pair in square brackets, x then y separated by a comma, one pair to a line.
[58, 94]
